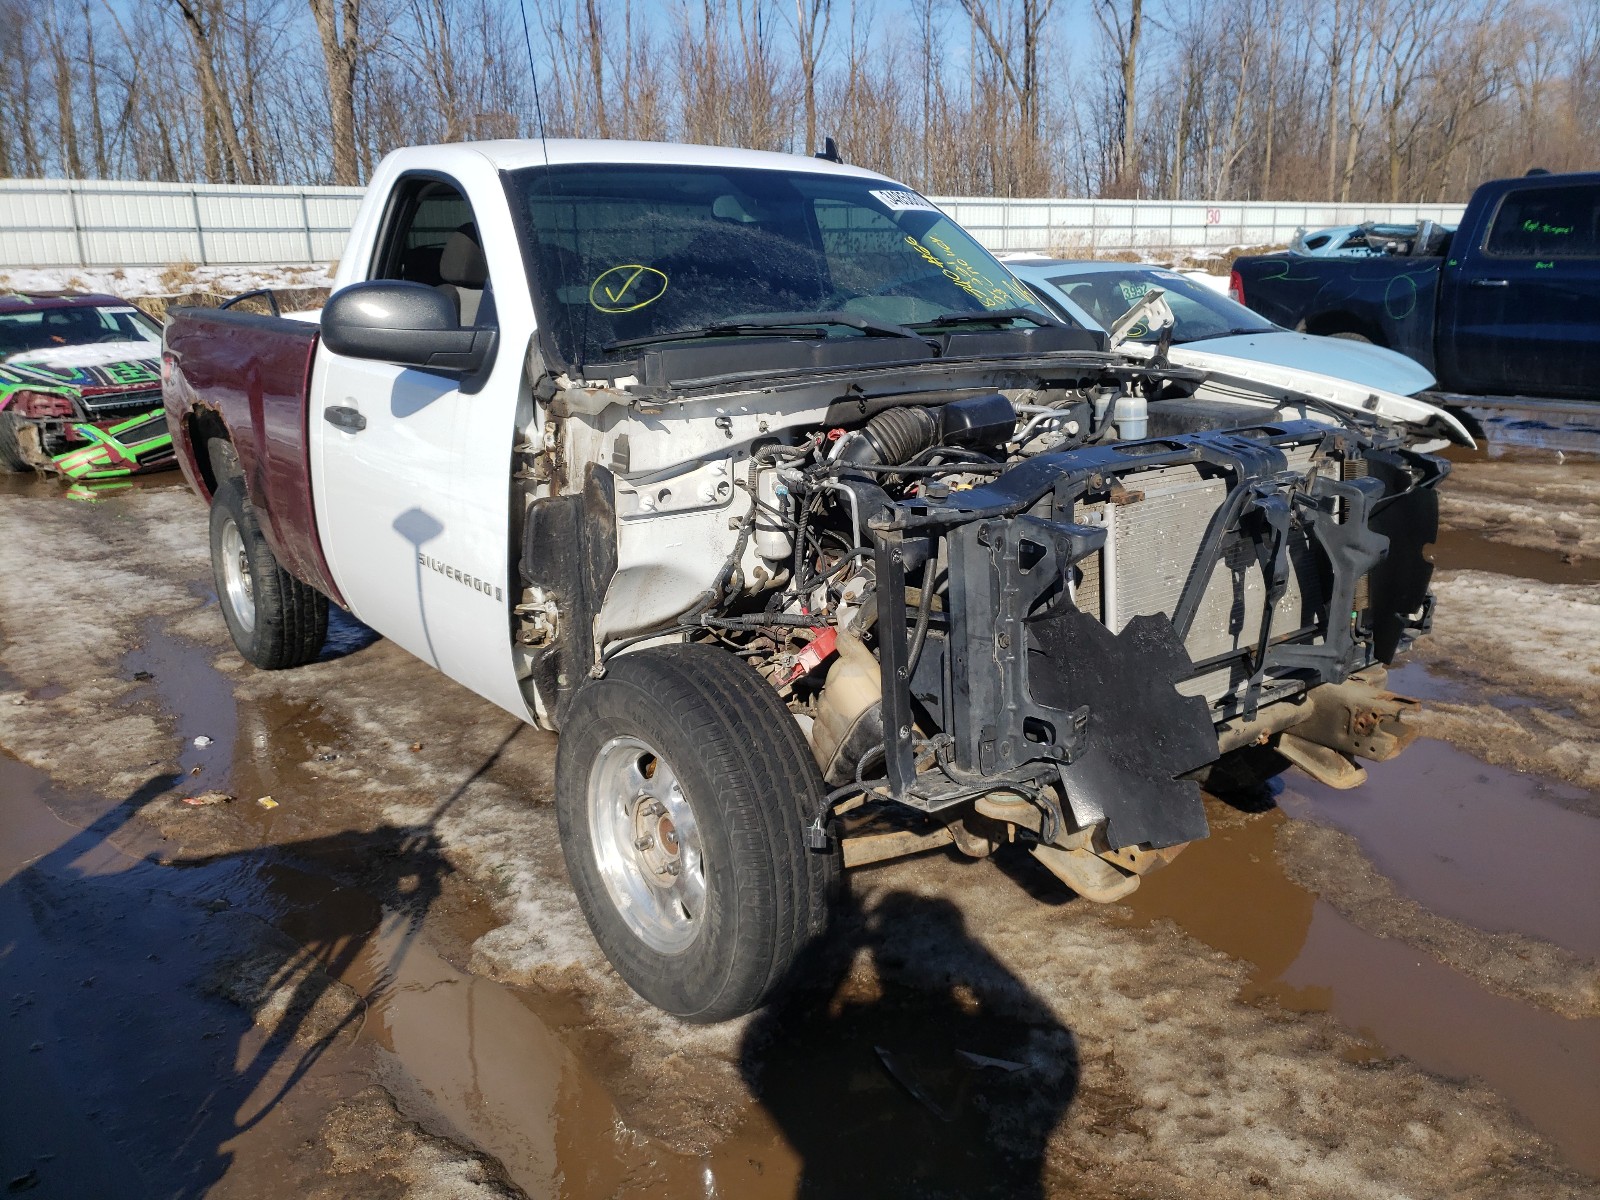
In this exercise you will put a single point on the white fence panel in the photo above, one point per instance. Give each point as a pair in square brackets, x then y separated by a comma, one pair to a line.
[52, 222]
[1077, 227]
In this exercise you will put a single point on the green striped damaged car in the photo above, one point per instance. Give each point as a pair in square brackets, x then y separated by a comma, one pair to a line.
[80, 387]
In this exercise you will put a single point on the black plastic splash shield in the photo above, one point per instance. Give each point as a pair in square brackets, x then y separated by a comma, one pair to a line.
[1141, 734]
[1034, 678]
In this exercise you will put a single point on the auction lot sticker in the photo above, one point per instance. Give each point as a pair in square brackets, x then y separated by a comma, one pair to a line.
[898, 200]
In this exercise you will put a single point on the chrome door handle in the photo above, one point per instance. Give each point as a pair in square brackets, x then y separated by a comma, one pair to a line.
[1490, 282]
[344, 417]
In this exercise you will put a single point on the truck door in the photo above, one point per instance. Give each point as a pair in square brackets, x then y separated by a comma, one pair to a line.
[411, 473]
[1518, 310]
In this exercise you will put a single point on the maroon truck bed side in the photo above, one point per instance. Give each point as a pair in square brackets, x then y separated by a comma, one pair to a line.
[248, 378]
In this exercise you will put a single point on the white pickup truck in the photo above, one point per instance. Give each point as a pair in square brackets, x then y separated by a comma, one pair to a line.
[817, 539]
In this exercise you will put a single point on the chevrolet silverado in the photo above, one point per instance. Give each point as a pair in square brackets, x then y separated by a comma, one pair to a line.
[817, 539]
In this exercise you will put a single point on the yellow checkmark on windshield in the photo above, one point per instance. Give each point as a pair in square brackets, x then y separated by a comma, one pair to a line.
[615, 294]
[627, 287]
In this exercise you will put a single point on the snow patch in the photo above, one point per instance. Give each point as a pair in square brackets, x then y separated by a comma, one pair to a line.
[165, 281]
[93, 355]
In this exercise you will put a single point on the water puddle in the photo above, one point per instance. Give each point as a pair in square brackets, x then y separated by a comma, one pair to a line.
[489, 1065]
[245, 748]
[521, 1074]
[140, 1076]
[1415, 680]
[1230, 892]
[34, 484]
[466, 1054]
[30, 485]
[131, 1068]
[1405, 1002]
[136, 1074]
[1515, 482]
[1496, 849]
[1461, 551]
[1420, 682]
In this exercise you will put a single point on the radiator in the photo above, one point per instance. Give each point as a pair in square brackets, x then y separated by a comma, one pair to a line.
[1149, 555]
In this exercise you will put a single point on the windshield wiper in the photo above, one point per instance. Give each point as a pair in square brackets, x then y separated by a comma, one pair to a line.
[1206, 337]
[787, 324]
[997, 314]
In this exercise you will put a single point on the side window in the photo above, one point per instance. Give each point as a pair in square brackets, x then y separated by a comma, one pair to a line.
[1547, 222]
[432, 239]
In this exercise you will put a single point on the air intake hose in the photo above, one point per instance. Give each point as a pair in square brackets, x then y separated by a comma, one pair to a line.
[892, 437]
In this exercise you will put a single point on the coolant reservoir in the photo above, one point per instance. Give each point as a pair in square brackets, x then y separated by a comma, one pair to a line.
[772, 540]
[1132, 415]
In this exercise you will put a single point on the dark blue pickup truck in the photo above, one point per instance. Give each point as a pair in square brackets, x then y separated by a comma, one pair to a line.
[1508, 305]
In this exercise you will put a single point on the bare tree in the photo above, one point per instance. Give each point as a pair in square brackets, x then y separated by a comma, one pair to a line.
[62, 80]
[1012, 34]
[225, 155]
[339, 31]
[594, 43]
[1221, 99]
[811, 21]
[1122, 24]
[19, 151]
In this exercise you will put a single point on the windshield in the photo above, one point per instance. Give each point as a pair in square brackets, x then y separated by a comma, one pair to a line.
[625, 254]
[1200, 312]
[24, 333]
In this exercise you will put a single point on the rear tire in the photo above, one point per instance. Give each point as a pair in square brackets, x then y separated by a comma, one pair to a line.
[683, 791]
[1354, 337]
[11, 460]
[276, 621]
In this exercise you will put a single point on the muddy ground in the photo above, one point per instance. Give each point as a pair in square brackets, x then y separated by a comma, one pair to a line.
[354, 968]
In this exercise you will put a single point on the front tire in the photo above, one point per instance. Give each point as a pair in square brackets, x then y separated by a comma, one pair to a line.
[11, 460]
[276, 621]
[683, 792]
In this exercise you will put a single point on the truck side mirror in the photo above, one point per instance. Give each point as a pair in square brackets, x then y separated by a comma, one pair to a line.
[409, 324]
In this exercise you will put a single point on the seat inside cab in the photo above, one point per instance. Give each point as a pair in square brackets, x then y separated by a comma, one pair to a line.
[436, 243]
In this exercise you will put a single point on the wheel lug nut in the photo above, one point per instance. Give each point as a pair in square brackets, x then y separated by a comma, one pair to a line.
[644, 843]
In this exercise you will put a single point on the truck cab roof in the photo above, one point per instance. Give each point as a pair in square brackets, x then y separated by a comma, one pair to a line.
[517, 153]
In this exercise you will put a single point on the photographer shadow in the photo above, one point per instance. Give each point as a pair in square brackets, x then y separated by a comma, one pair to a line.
[906, 1060]
[158, 1011]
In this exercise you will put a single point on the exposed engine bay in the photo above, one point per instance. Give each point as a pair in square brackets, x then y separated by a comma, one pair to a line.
[1035, 610]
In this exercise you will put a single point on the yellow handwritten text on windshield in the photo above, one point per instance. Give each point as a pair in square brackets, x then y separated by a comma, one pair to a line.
[964, 275]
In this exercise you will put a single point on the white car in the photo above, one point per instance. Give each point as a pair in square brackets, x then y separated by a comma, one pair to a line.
[1097, 294]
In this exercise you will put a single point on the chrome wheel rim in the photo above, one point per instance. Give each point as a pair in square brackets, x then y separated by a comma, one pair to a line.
[647, 844]
[236, 579]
